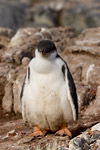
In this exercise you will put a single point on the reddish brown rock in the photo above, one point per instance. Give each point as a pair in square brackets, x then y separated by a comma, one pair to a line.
[93, 109]
[4, 69]
[85, 54]
[24, 42]
[7, 101]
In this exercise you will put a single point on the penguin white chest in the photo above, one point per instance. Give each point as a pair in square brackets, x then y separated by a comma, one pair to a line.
[44, 105]
[45, 98]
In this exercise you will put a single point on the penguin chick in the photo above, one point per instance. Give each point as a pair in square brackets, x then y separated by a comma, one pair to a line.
[48, 96]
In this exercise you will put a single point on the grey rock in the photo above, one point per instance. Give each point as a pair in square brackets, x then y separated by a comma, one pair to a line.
[44, 16]
[6, 32]
[96, 145]
[25, 140]
[84, 141]
[95, 136]
[92, 17]
[96, 127]
[75, 16]
[11, 14]
[23, 13]
[5, 35]
[79, 142]
[81, 15]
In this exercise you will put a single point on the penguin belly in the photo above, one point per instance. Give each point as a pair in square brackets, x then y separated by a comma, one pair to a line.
[45, 103]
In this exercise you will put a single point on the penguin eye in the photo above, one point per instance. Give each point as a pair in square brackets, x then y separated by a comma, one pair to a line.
[39, 50]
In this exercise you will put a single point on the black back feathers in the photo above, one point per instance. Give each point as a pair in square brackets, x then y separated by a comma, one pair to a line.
[46, 46]
[71, 85]
[73, 91]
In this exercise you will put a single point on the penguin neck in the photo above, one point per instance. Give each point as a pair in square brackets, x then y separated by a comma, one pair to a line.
[44, 64]
[50, 57]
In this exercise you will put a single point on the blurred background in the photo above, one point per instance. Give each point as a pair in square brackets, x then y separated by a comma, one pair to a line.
[79, 14]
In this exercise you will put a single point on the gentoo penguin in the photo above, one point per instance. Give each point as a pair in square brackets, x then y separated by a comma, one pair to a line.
[48, 96]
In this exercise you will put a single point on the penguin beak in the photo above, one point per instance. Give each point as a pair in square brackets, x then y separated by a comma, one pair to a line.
[43, 52]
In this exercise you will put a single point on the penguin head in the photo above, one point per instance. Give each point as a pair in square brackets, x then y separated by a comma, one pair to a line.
[46, 48]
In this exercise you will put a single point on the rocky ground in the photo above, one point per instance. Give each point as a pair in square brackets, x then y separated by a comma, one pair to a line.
[14, 135]
[82, 54]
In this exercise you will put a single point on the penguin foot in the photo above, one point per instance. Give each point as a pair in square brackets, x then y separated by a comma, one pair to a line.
[63, 131]
[36, 132]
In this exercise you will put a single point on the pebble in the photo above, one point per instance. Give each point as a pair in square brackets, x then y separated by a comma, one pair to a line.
[25, 61]
[96, 127]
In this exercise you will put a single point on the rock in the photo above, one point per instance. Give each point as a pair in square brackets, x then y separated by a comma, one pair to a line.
[44, 16]
[12, 14]
[96, 145]
[4, 69]
[22, 34]
[25, 140]
[80, 15]
[50, 142]
[90, 73]
[86, 94]
[6, 32]
[79, 142]
[17, 86]
[98, 94]
[21, 45]
[24, 42]
[95, 136]
[89, 95]
[7, 101]
[25, 61]
[74, 16]
[84, 141]
[85, 53]
[93, 108]
[5, 36]
[4, 41]
[63, 35]
[27, 2]
[16, 92]
[92, 17]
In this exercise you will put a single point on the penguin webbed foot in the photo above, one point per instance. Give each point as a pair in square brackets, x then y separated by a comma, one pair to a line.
[36, 132]
[63, 131]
